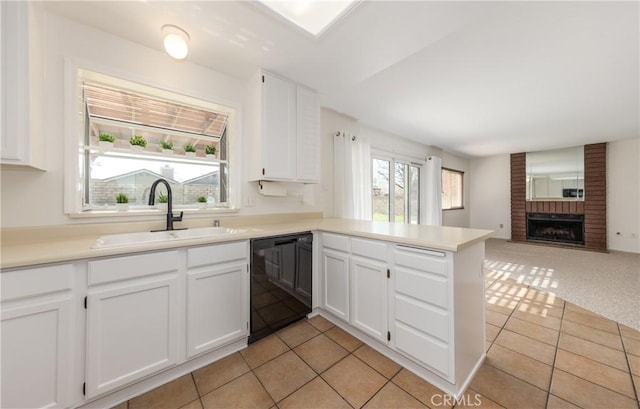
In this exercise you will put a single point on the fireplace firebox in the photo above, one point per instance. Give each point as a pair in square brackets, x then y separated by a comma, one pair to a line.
[557, 228]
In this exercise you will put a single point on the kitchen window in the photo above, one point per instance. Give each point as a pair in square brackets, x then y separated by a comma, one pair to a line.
[184, 141]
[395, 190]
[452, 182]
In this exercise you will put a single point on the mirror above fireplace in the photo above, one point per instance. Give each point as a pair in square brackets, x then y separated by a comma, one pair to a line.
[556, 174]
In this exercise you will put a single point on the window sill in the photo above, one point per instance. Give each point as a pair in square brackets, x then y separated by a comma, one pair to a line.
[151, 212]
[453, 208]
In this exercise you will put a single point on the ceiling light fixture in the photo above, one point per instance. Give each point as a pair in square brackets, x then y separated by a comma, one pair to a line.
[175, 41]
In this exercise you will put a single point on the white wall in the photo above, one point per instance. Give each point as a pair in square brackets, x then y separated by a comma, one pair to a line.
[623, 197]
[31, 198]
[491, 195]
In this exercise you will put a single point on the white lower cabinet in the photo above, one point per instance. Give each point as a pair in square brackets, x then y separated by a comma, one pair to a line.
[422, 321]
[368, 297]
[335, 283]
[402, 297]
[37, 337]
[217, 296]
[132, 319]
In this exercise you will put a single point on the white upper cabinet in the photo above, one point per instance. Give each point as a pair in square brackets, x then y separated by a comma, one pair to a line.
[285, 139]
[22, 82]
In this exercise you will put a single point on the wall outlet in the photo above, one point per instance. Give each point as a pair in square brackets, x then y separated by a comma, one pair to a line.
[250, 201]
[502, 225]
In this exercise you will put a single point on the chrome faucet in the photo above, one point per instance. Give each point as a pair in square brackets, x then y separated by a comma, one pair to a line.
[170, 217]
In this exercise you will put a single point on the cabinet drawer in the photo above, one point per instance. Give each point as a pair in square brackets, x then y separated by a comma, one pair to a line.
[335, 241]
[425, 287]
[422, 259]
[425, 349]
[429, 320]
[123, 268]
[217, 253]
[376, 250]
[36, 281]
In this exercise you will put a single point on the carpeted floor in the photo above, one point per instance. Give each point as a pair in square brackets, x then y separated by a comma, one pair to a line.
[605, 283]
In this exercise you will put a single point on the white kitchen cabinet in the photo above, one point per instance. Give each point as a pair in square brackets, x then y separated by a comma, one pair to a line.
[217, 296]
[132, 319]
[424, 308]
[37, 325]
[21, 85]
[285, 143]
[335, 272]
[335, 275]
[422, 321]
[308, 135]
[368, 296]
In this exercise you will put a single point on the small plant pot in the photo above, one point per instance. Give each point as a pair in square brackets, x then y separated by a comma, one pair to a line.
[190, 154]
[105, 144]
[137, 148]
[167, 151]
[211, 156]
[202, 205]
[122, 207]
[162, 206]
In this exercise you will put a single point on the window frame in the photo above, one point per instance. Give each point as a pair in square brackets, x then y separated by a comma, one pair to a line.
[74, 135]
[461, 172]
[393, 159]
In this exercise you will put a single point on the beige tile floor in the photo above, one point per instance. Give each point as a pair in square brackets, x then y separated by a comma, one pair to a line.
[542, 352]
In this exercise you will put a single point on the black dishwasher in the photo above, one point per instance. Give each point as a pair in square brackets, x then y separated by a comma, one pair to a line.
[280, 282]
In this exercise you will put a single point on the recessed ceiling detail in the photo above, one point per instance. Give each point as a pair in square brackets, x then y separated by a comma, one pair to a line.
[313, 16]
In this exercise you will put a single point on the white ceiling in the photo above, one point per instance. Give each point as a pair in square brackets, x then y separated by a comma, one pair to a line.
[474, 78]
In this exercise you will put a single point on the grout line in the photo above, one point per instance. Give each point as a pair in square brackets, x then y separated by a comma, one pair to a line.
[626, 356]
[555, 356]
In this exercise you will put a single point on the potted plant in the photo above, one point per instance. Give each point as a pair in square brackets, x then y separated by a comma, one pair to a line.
[106, 140]
[189, 150]
[122, 202]
[161, 201]
[202, 202]
[167, 147]
[210, 151]
[138, 143]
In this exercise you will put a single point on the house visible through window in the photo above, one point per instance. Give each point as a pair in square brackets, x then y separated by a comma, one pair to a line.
[452, 189]
[170, 125]
[396, 191]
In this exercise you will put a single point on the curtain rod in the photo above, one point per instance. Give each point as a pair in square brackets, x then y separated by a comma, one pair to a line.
[353, 138]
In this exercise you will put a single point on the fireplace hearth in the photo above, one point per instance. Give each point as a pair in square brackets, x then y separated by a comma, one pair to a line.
[556, 228]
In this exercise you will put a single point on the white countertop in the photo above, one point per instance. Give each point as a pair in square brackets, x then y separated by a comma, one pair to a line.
[42, 249]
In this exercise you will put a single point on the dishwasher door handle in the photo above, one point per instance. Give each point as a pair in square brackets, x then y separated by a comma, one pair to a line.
[283, 242]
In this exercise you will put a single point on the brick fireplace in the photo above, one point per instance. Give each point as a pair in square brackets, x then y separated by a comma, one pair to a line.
[593, 209]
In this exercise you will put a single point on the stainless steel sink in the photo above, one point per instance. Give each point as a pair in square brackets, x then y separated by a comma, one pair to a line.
[129, 239]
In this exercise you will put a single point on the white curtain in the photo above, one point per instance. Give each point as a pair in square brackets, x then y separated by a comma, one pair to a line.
[433, 192]
[352, 177]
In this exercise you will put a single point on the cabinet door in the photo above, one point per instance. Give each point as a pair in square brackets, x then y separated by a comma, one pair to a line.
[369, 297]
[131, 332]
[36, 354]
[279, 128]
[217, 306]
[335, 271]
[308, 143]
